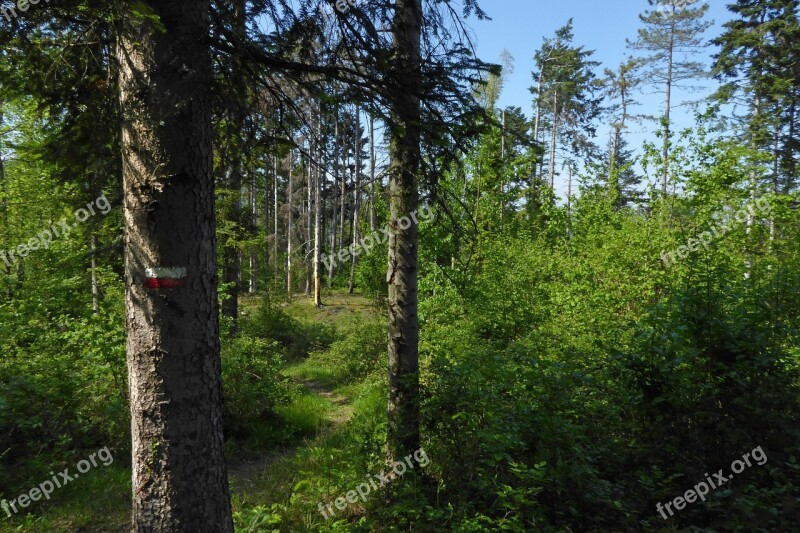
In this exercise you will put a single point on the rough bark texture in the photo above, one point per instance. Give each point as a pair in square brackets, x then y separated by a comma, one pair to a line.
[404, 153]
[179, 477]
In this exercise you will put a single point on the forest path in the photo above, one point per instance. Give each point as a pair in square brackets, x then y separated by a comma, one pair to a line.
[243, 475]
[330, 408]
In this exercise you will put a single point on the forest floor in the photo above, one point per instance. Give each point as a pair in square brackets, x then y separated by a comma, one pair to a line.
[297, 445]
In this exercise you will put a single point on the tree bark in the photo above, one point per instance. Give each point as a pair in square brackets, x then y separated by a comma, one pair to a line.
[356, 198]
[180, 481]
[308, 254]
[334, 250]
[275, 211]
[667, 113]
[320, 169]
[372, 221]
[552, 179]
[404, 152]
[289, 230]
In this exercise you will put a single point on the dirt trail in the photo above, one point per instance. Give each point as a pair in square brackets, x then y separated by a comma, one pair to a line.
[242, 474]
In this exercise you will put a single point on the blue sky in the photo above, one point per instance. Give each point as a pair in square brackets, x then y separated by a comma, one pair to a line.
[520, 25]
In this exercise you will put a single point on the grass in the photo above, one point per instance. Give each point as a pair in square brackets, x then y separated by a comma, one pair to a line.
[100, 501]
[317, 457]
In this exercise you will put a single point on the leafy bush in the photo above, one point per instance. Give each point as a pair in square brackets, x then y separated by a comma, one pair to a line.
[252, 384]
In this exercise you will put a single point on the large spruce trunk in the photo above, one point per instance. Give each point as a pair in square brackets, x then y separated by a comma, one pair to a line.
[404, 153]
[179, 476]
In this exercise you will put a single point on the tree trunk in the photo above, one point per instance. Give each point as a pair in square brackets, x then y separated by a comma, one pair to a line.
[320, 169]
[552, 179]
[289, 230]
[4, 208]
[343, 193]
[180, 481]
[308, 255]
[356, 192]
[334, 250]
[267, 220]
[275, 211]
[404, 152]
[667, 113]
[372, 221]
[254, 231]
[613, 178]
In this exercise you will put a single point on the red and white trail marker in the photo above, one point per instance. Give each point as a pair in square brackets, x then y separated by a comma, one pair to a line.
[165, 278]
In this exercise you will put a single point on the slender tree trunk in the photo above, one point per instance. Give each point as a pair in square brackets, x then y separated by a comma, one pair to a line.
[289, 229]
[267, 221]
[372, 221]
[404, 152]
[356, 198]
[308, 255]
[318, 213]
[667, 115]
[4, 234]
[343, 193]
[275, 211]
[180, 481]
[334, 249]
[613, 178]
[552, 179]
[537, 119]
[254, 231]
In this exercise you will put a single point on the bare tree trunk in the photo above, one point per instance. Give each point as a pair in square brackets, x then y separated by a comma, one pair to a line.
[613, 179]
[254, 229]
[289, 228]
[334, 249]
[552, 178]
[267, 221]
[180, 481]
[308, 255]
[4, 209]
[404, 151]
[275, 210]
[318, 213]
[372, 221]
[667, 115]
[343, 194]
[356, 198]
